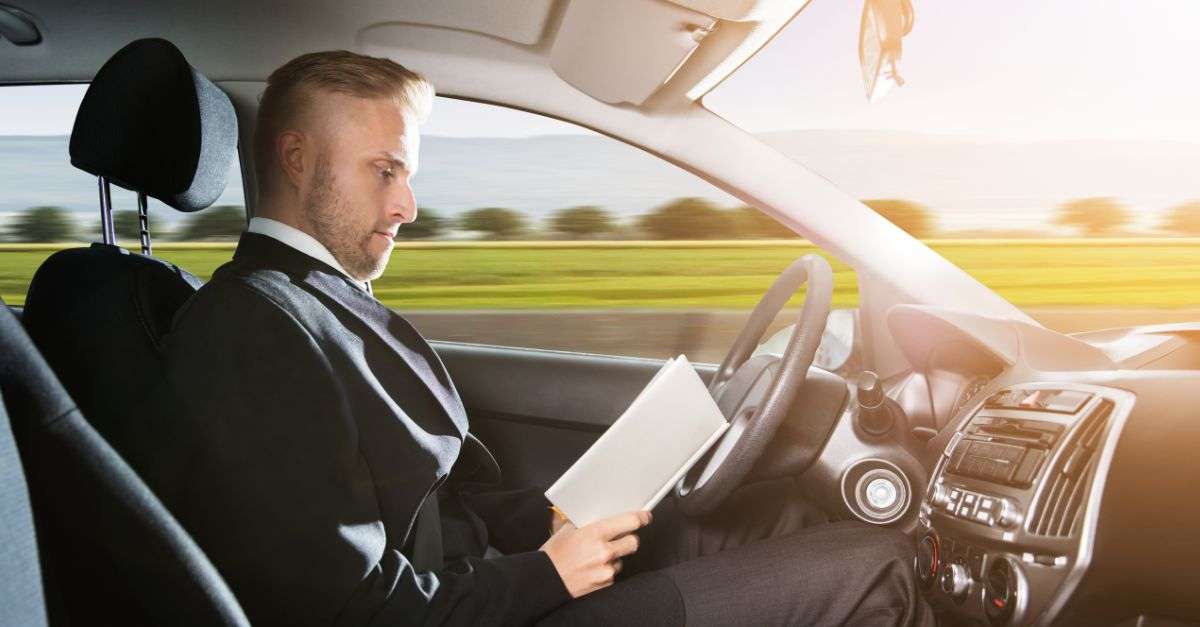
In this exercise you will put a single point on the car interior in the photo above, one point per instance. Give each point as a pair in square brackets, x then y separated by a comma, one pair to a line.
[1041, 476]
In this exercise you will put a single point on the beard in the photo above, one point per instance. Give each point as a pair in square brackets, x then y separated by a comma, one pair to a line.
[347, 236]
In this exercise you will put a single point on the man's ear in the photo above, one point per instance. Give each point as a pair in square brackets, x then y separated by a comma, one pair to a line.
[291, 148]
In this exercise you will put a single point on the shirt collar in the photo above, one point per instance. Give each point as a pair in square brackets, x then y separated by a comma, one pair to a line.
[300, 241]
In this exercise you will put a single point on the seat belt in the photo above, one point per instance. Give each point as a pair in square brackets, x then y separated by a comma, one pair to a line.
[427, 542]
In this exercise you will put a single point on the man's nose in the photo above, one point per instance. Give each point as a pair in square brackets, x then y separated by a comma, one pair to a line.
[407, 206]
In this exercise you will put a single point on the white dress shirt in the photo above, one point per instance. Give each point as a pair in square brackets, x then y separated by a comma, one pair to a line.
[301, 241]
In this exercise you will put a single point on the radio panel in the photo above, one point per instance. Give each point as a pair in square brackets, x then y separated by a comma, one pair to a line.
[1008, 451]
[1011, 488]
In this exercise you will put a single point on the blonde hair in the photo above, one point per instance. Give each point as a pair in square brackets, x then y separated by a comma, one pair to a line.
[290, 88]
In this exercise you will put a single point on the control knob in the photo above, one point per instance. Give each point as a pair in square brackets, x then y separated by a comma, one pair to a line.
[1007, 514]
[956, 580]
[928, 559]
[1002, 591]
[876, 412]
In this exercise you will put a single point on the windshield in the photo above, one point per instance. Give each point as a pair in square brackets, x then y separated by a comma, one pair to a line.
[1051, 149]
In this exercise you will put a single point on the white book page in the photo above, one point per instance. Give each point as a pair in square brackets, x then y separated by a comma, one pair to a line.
[642, 455]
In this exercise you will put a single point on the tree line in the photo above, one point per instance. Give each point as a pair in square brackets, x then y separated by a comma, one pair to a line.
[681, 218]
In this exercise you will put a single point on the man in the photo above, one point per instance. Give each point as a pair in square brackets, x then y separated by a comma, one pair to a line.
[319, 453]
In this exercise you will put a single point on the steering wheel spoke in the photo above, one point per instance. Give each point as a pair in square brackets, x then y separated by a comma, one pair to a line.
[755, 393]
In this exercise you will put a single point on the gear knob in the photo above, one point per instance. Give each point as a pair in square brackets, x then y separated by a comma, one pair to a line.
[874, 409]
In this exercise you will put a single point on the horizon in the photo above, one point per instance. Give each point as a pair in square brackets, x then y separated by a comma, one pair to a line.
[967, 184]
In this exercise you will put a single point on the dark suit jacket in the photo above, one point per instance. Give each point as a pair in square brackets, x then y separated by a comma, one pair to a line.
[303, 425]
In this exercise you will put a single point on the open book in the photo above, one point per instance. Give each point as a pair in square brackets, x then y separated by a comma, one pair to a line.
[669, 426]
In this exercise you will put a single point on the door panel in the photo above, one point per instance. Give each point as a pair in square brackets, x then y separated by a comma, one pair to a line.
[539, 410]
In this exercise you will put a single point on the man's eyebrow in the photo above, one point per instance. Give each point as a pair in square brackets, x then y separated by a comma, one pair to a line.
[399, 162]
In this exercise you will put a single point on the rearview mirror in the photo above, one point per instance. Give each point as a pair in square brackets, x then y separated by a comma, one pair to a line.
[884, 24]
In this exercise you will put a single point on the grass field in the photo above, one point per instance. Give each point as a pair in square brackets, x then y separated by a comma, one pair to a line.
[1145, 273]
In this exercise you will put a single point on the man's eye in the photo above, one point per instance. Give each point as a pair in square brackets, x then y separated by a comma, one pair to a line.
[387, 173]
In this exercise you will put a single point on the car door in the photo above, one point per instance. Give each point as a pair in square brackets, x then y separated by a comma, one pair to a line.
[555, 269]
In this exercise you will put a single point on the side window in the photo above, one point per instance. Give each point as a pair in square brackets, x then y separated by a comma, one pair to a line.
[537, 233]
[46, 204]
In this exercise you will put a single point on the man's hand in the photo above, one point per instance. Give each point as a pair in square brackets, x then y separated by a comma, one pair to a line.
[588, 558]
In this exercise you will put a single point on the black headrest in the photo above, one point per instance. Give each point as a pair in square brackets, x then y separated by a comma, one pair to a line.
[151, 123]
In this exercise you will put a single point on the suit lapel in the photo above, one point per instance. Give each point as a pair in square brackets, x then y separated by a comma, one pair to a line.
[391, 328]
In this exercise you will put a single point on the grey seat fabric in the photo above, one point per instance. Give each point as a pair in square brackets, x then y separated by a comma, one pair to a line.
[112, 552]
[21, 599]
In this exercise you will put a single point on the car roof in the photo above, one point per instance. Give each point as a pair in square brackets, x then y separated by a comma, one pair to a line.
[618, 51]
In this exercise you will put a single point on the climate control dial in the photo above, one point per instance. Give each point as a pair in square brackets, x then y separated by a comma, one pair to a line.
[1001, 591]
[928, 559]
[956, 580]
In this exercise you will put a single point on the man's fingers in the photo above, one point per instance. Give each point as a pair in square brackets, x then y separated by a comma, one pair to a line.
[621, 524]
[625, 545]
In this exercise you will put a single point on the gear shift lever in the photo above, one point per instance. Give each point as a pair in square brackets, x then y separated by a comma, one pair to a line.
[876, 412]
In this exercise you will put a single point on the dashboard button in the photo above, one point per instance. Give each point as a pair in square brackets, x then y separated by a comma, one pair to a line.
[1044, 560]
[1034, 399]
[1067, 401]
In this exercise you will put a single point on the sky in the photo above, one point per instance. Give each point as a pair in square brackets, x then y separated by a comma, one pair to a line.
[1017, 69]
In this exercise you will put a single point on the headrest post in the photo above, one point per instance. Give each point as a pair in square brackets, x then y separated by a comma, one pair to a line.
[107, 233]
[144, 223]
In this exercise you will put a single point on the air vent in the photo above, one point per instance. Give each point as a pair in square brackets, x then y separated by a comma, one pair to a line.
[1066, 486]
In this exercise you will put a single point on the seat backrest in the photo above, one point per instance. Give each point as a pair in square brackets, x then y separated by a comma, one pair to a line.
[98, 314]
[113, 551]
[153, 124]
[21, 599]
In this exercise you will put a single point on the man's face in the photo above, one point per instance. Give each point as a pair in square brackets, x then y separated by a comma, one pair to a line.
[360, 191]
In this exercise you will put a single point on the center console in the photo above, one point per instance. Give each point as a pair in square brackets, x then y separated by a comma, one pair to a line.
[1008, 521]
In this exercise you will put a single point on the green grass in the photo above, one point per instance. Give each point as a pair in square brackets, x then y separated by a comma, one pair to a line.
[1152, 273]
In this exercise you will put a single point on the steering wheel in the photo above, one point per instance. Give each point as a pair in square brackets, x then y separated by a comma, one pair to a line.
[755, 394]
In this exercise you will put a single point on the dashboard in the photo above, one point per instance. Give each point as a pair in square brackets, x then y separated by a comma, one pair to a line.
[1007, 524]
[1060, 470]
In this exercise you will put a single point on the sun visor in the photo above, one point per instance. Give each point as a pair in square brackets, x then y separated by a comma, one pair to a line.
[741, 10]
[621, 51]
